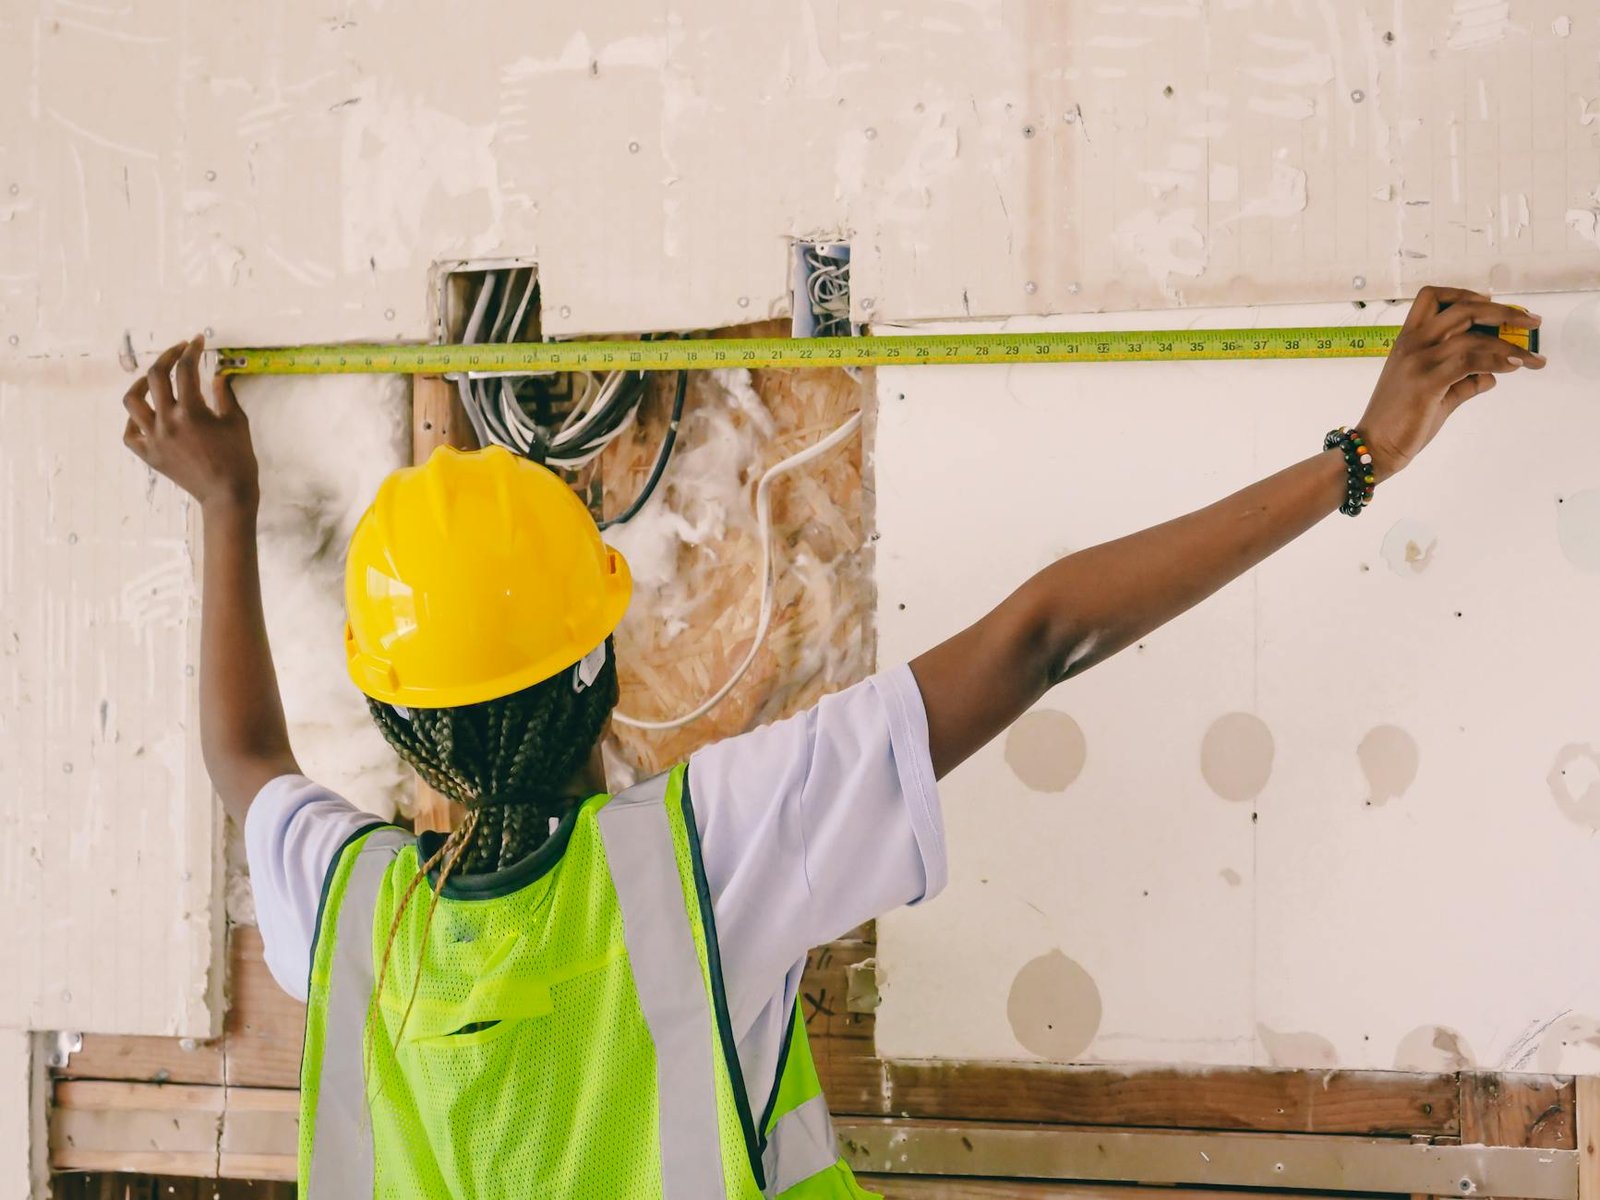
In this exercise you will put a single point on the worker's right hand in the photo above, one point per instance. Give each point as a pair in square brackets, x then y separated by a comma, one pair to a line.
[203, 448]
[1437, 364]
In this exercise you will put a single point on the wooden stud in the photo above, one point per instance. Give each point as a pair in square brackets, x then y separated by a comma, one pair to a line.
[1346, 1164]
[437, 419]
[1588, 1103]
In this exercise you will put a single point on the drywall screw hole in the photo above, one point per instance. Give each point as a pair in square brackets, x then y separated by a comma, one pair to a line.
[633, 147]
[871, 133]
[1466, 1185]
[1278, 1167]
[72, 539]
[16, 188]
[1358, 95]
[209, 332]
[188, 671]
[13, 339]
[1167, 91]
[866, 305]
[566, 310]
[1359, 282]
[1071, 118]
[1030, 287]
[744, 301]
[1074, 288]
[919, 106]
[211, 176]
[1389, 38]
[1027, 131]
[388, 314]
[66, 768]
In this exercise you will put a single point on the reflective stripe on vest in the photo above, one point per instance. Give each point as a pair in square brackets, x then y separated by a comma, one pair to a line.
[637, 836]
[341, 1148]
[802, 1144]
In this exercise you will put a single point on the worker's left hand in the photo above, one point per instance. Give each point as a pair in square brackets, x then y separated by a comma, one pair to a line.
[203, 448]
[1436, 365]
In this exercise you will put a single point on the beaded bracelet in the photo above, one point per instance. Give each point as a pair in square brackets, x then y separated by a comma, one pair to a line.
[1358, 468]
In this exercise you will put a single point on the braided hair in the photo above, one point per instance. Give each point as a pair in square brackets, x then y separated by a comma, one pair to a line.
[507, 761]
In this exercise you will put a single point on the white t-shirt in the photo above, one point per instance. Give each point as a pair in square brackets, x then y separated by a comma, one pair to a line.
[808, 827]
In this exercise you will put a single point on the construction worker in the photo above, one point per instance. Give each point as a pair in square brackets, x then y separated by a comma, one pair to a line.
[586, 995]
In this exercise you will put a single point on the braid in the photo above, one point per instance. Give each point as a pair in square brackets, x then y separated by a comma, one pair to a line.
[505, 760]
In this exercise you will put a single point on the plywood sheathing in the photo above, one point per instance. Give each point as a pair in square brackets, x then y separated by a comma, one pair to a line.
[820, 637]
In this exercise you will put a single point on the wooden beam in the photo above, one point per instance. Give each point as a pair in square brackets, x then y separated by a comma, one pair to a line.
[1334, 1102]
[437, 419]
[1588, 1101]
[910, 1187]
[1214, 1159]
[1518, 1110]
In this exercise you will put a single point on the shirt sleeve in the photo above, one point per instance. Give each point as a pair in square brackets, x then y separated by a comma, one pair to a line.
[813, 825]
[292, 833]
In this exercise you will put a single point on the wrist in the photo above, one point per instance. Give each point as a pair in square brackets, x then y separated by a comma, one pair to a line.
[234, 501]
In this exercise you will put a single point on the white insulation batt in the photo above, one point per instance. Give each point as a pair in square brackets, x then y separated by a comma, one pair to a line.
[1342, 814]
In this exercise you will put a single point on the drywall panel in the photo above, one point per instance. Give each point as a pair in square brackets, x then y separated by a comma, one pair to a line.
[108, 833]
[984, 158]
[1344, 812]
[21, 1168]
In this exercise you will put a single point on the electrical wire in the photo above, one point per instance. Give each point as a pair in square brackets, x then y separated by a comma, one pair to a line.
[764, 619]
[668, 440]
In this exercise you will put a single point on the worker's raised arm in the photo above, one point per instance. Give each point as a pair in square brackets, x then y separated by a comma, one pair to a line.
[205, 449]
[1084, 608]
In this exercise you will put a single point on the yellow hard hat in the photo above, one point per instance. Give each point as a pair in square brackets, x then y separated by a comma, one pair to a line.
[474, 576]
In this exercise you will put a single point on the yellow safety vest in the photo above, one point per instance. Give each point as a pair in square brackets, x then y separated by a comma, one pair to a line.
[567, 1037]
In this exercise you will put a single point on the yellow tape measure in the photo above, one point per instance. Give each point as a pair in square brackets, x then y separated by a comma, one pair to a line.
[696, 354]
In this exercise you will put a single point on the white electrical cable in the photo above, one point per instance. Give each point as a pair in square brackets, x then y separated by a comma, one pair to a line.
[764, 524]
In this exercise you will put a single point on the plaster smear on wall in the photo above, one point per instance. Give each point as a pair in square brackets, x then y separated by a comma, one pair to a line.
[1222, 843]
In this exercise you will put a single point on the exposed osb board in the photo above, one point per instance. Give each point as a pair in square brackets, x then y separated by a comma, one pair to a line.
[1299, 826]
[109, 867]
[696, 556]
[985, 158]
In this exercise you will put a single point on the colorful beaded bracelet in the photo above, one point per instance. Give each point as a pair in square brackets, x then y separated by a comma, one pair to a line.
[1358, 468]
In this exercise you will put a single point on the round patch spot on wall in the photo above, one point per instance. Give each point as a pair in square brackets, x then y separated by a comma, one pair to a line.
[1579, 343]
[1578, 529]
[1236, 756]
[1571, 1047]
[1054, 1008]
[1574, 781]
[1389, 758]
[1046, 750]
[1432, 1048]
[1298, 1050]
[1408, 548]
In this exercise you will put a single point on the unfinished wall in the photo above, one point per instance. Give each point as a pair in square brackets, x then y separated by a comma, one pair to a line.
[290, 174]
[1342, 814]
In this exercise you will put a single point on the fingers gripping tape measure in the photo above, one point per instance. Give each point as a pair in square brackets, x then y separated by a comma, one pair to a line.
[692, 354]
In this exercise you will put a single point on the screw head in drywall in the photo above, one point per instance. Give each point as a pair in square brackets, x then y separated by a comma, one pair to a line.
[211, 176]
[744, 301]
[388, 314]
[1466, 1185]
[1030, 287]
[66, 768]
[1359, 282]
[1027, 131]
[871, 133]
[13, 339]
[210, 333]
[1358, 95]
[866, 305]
[633, 147]
[566, 310]
[15, 188]
[1074, 288]
[72, 539]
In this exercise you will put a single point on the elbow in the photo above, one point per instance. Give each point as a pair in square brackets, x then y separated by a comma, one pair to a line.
[1057, 646]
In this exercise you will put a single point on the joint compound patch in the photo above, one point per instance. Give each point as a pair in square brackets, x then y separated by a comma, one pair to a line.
[1574, 781]
[1408, 548]
[1301, 1050]
[1389, 759]
[1578, 529]
[1054, 1008]
[1236, 756]
[1045, 749]
[1433, 1048]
